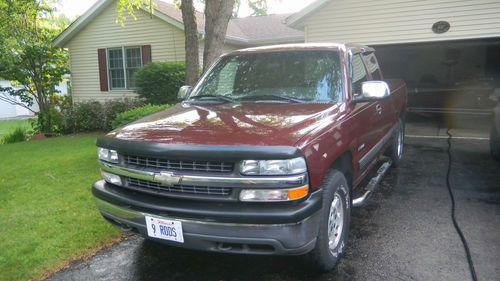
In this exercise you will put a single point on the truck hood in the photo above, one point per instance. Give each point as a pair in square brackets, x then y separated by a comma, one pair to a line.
[229, 124]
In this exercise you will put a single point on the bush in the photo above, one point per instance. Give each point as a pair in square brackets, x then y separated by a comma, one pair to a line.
[137, 113]
[51, 120]
[91, 116]
[114, 107]
[88, 116]
[18, 135]
[159, 82]
[48, 122]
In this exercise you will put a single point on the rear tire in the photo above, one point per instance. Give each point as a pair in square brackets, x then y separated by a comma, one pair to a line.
[396, 149]
[334, 223]
[494, 143]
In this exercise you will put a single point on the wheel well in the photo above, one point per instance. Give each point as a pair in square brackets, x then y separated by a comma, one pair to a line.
[344, 165]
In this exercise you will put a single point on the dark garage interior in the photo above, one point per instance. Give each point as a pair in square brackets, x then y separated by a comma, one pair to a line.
[446, 77]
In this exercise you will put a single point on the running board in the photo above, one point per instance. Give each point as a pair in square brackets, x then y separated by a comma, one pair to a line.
[374, 182]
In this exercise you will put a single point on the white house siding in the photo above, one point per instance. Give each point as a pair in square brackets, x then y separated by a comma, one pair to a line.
[167, 44]
[8, 110]
[376, 22]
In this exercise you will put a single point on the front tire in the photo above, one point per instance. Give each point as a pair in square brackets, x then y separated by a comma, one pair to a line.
[334, 223]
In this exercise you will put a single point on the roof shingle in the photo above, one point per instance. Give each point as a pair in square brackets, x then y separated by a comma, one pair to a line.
[244, 31]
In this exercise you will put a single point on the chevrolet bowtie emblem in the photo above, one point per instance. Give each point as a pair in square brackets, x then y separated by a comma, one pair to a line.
[167, 178]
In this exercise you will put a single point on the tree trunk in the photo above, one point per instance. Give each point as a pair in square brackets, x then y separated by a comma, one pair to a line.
[217, 14]
[191, 35]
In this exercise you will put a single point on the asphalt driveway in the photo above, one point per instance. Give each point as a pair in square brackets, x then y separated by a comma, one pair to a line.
[404, 233]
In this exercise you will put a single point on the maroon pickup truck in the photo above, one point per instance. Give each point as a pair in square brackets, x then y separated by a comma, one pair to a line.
[266, 154]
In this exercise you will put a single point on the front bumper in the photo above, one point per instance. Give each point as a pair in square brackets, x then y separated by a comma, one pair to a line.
[244, 228]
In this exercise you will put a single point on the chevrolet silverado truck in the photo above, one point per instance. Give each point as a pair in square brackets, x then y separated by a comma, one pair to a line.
[266, 154]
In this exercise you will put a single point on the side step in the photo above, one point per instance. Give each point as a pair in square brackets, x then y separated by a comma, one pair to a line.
[374, 182]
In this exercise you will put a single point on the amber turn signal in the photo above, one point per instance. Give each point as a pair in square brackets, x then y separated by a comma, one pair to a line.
[274, 195]
[298, 193]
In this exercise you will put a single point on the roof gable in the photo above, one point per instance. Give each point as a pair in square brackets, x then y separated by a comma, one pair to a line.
[81, 22]
[295, 19]
[263, 29]
[241, 31]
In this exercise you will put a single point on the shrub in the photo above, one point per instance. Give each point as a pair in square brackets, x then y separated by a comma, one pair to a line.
[159, 82]
[48, 121]
[88, 116]
[114, 107]
[51, 121]
[91, 116]
[137, 113]
[18, 135]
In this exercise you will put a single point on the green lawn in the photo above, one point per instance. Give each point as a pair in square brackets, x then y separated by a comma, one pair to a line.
[6, 126]
[47, 215]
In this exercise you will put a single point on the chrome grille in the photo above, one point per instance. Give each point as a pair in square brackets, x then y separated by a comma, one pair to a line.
[179, 165]
[179, 188]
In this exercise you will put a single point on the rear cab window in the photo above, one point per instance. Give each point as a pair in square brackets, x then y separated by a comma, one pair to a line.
[372, 66]
[359, 74]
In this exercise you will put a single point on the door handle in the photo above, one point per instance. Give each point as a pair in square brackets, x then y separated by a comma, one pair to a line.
[378, 107]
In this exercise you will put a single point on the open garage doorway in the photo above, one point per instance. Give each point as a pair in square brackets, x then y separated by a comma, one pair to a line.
[447, 77]
[451, 85]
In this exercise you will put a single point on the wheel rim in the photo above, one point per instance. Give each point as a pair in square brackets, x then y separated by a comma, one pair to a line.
[400, 142]
[335, 221]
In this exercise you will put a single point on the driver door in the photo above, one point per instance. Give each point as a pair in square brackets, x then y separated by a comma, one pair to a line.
[366, 115]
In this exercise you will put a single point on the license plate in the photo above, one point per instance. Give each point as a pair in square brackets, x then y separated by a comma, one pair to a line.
[164, 229]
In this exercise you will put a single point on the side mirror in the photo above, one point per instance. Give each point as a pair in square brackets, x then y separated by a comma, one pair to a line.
[184, 92]
[373, 90]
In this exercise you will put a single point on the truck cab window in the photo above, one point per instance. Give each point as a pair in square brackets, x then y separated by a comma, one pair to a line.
[359, 74]
[372, 66]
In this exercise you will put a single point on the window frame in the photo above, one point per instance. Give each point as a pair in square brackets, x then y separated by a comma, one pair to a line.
[124, 66]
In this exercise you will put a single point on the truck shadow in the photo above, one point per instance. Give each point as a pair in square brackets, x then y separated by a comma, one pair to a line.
[155, 261]
[152, 261]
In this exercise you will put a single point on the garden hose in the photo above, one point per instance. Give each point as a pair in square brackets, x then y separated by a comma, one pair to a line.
[455, 224]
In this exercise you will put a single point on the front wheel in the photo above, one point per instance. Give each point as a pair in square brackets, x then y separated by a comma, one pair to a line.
[334, 223]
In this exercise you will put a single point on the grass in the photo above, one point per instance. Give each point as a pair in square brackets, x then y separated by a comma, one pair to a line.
[7, 126]
[46, 210]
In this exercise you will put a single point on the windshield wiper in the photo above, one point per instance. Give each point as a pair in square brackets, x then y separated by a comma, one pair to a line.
[274, 97]
[217, 97]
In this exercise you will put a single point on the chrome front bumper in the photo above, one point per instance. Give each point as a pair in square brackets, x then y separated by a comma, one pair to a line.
[289, 238]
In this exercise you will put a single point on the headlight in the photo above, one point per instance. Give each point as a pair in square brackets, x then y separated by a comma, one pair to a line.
[276, 195]
[107, 155]
[273, 167]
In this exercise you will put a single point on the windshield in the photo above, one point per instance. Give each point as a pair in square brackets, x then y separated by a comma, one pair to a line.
[289, 76]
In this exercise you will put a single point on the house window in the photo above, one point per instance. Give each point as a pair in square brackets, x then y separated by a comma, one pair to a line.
[122, 64]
